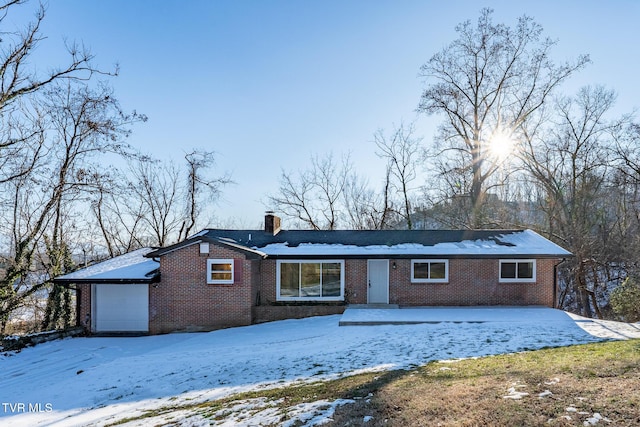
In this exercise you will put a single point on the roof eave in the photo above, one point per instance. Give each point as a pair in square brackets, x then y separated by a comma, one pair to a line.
[418, 255]
[65, 282]
[120, 280]
[201, 239]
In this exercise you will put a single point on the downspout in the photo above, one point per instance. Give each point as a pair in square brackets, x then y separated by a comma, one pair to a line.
[78, 305]
[555, 281]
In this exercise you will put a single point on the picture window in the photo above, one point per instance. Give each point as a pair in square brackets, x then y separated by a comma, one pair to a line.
[310, 280]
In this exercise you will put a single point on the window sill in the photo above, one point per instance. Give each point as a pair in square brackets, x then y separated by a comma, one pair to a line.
[430, 282]
[516, 281]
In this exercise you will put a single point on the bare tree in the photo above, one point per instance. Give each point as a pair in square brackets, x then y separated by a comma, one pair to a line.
[21, 141]
[118, 216]
[34, 173]
[201, 190]
[156, 186]
[626, 184]
[17, 76]
[81, 123]
[21, 145]
[488, 82]
[571, 159]
[400, 149]
[164, 201]
[366, 208]
[314, 196]
[53, 127]
[331, 195]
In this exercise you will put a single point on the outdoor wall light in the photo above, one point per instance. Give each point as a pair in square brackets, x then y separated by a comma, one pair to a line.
[204, 248]
[393, 265]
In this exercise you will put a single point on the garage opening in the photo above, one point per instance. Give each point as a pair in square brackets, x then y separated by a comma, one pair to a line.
[120, 308]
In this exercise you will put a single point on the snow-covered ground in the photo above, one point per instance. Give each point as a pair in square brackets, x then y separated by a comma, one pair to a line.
[94, 381]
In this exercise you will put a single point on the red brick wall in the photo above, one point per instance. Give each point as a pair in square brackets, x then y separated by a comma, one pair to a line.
[269, 313]
[356, 289]
[472, 282]
[84, 312]
[183, 301]
[355, 271]
[270, 309]
[267, 284]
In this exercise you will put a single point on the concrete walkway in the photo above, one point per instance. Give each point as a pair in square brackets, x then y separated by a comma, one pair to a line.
[364, 315]
[607, 328]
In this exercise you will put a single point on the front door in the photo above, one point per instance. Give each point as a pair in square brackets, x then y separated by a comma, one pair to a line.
[378, 281]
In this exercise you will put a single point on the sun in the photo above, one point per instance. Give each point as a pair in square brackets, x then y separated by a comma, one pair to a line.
[501, 145]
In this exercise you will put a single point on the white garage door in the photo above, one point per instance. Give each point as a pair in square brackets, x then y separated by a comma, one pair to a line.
[121, 308]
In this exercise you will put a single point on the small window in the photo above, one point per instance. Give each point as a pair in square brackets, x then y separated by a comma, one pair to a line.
[219, 271]
[518, 270]
[430, 271]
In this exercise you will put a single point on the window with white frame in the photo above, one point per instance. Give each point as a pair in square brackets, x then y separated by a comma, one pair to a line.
[429, 271]
[219, 271]
[518, 270]
[310, 280]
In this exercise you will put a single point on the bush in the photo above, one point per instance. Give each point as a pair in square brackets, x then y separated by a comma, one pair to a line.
[625, 300]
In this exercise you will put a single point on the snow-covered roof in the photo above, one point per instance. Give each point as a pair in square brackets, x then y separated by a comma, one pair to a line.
[367, 243]
[380, 243]
[504, 244]
[133, 266]
[516, 244]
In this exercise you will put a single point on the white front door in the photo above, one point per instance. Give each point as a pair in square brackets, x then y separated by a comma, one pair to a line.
[378, 281]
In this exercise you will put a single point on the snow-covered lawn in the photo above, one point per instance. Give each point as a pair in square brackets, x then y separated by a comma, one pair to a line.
[84, 381]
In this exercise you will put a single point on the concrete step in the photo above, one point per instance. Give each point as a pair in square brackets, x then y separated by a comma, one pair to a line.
[377, 305]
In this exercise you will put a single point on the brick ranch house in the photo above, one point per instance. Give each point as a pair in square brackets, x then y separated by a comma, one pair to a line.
[224, 278]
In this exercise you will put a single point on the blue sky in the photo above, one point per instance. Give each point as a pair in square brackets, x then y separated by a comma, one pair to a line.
[267, 84]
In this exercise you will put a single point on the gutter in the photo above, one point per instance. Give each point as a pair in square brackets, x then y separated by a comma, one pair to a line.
[114, 281]
[380, 255]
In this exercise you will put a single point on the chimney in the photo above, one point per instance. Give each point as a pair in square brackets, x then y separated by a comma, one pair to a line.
[271, 223]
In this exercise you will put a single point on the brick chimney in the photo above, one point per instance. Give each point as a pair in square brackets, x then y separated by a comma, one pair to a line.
[271, 223]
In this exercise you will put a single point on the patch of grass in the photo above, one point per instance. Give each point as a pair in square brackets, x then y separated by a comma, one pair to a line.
[601, 378]
[357, 386]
